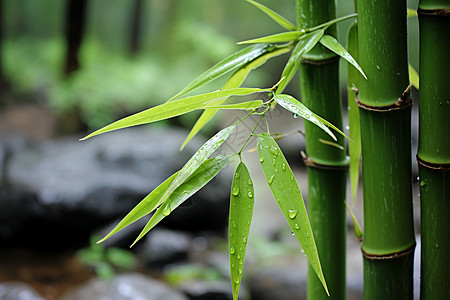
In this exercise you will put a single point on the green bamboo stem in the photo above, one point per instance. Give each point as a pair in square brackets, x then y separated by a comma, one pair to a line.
[327, 165]
[385, 108]
[434, 148]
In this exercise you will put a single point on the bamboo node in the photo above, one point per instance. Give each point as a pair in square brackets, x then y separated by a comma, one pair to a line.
[404, 102]
[433, 166]
[434, 12]
[310, 163]
[319, 62]
[393, 255]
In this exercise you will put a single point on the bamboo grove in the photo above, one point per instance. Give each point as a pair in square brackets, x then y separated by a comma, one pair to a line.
[379, 116]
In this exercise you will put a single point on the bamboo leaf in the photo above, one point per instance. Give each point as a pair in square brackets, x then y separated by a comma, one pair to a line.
[285, 189]
[198, 179]
[354, 148]
[235, 81]
[332, 44]
[275, 16]
[413, 77]
[226, 65]
[244, 105]
[241, 210]
[276, 38]
[304, 45]
[173, 109]
[299, 109]
[146, 206]
[358, 232]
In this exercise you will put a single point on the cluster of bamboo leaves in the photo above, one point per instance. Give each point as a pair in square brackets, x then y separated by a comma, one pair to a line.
[203, 167]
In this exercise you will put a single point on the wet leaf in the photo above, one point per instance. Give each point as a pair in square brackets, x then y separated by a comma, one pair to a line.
[413, 77]
[146, 206]
[230, 63]
[254, 104]
[275, 16]
[173, 109]
[354, 147]
[276, 38]
[358, 232]
[286, 192]
[198, 179]
[241, 210]
[235, 81]
[304, 45]
[296, 107]
[332, 44]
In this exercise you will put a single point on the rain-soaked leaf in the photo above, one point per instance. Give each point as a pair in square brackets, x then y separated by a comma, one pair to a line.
[332, 44]
[276, 38]
[241, 210]
[198, 179]
[230, 63]
[299, 109]
[235, 81]
[304, 45]
[413, 76]
[286, 192]
[146, 206]
[358, 232]
[254, 104]
[354, 147]
[275, 16]
[173, 109]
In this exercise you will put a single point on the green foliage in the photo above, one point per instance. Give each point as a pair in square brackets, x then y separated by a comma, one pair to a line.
[241, 210]
[185, 273]
[106, 262]
[200, 169]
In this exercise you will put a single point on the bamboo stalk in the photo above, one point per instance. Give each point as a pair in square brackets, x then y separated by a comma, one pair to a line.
[327, 165]
[385, 115]
[434, 148]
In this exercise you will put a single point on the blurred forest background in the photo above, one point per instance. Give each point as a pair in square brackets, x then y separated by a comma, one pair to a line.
[92, 61]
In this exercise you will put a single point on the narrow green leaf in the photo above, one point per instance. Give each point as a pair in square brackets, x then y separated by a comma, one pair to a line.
[413, 77]
[304, 45]
[197, 159]
[244, 105]
[276, 38]
[358, 232]
[241, 210]
[235, 81]
[299, 109]
[275, 16]
[286, 192]
[354, 148]
[146, 206]
[173, 109]
[332, 44]
[226, 65]
[198, 179]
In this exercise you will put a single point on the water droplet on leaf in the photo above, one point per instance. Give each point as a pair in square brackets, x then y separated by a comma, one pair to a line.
[270, 180]
[261, 159]
[235, 191]
[167, 210]
[250, 195]
[292, 213]
[232, 251]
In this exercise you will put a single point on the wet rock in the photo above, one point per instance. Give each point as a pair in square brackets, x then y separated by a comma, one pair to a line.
[202, 290]
[163, 246]
[65, 188]
[18, 291]
[124, 287]
[278, 282]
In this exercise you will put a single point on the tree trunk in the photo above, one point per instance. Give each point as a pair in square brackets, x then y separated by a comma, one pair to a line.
[135, 27]
[385, 116]
[433, 153]
[327, 165]
[74, 31]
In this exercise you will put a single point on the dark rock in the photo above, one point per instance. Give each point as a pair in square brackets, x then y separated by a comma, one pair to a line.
[278, 282]
[202, 290]
[65, 188]
[163, 246]
[124, 287]
[18, 291]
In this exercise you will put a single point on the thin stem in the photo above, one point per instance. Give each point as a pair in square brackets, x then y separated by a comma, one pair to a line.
[329, 23]
[250, 135]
